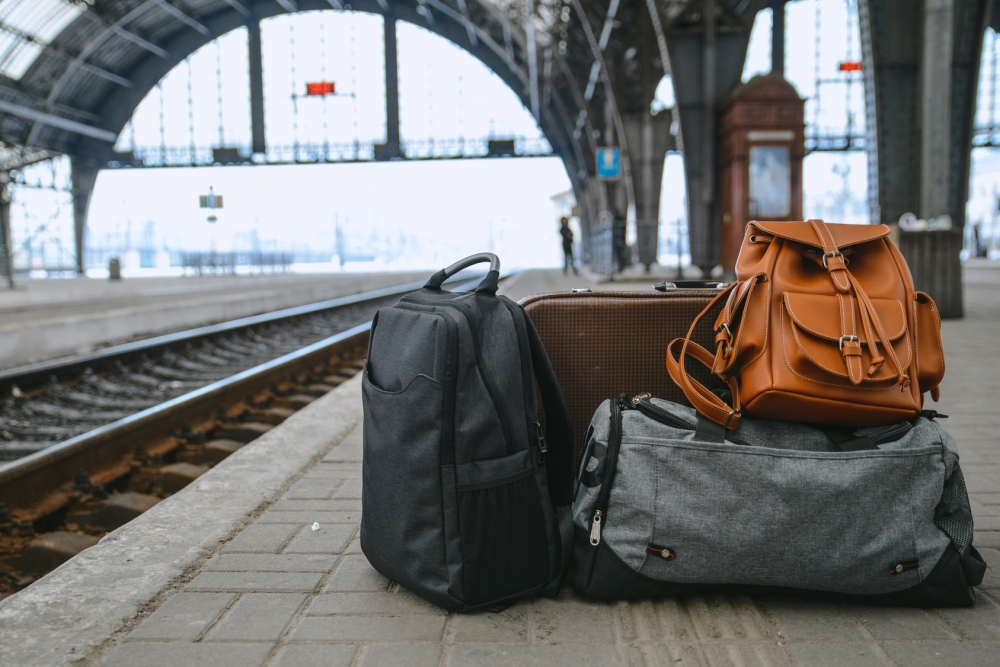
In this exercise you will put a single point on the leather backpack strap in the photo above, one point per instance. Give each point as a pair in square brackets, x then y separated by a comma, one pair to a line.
[833, 259]
[700, 396]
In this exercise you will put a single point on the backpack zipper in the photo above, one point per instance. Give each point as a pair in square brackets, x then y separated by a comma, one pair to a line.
[614, 445]
[543, 448]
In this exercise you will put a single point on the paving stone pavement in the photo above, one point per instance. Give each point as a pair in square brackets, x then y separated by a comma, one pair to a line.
[283, 595]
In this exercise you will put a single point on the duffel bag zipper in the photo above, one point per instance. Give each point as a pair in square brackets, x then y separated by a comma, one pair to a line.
[893, 434]
[614, 445]
[646, 407]
[656, 413]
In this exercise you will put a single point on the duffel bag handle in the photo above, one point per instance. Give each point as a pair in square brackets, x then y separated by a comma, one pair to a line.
[703, 400]
[489, 284]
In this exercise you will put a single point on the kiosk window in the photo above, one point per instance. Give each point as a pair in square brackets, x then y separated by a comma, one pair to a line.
[770, 182]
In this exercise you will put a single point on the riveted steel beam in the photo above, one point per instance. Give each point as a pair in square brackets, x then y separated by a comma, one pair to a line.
[239, 6]
[58, 121]
[470, 29]
[52, 48]
[181, 16]
[602, 43]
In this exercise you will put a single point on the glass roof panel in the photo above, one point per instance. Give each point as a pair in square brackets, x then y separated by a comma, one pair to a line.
[27, 26]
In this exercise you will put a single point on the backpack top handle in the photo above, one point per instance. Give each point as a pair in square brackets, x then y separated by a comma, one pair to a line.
[489, 284]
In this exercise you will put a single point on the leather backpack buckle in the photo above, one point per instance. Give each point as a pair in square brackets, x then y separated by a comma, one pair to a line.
[848, 340]
[828, 255]
[723, 337]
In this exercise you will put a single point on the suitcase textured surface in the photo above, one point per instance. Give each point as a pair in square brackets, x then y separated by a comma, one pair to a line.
[604, 343]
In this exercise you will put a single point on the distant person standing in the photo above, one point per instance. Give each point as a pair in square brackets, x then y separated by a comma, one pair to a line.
[567, 243]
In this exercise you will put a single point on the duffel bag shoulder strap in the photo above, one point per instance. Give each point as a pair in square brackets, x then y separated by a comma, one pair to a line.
[700, 397]
[559, 431]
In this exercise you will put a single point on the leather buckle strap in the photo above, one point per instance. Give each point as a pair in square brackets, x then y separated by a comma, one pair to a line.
[848, 339]
[833, 259]
[703, 400]
[724, 337]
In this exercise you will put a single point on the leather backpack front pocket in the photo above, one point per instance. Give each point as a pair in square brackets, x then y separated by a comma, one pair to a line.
[825, 333]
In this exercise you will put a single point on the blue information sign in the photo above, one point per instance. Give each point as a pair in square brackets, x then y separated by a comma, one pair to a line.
[609, 164]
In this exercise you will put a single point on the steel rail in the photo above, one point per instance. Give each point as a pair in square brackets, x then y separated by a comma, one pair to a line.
[34, 375]
[25, 483]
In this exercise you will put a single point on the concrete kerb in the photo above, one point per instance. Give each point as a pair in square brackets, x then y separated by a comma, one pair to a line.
[76, 613]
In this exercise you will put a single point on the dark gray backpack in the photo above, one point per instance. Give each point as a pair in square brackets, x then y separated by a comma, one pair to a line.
[465, 500]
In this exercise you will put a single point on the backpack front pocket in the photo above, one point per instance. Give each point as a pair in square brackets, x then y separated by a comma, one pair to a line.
[401, 485]
[505, 540]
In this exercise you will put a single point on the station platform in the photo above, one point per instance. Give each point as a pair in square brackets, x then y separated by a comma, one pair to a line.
[46, 319]
[233, 570]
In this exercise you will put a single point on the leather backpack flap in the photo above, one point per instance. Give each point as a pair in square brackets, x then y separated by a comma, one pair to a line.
[930, 352]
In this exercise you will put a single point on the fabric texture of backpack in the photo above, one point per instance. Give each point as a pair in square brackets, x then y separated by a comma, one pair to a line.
[668, 502]
[465, 500]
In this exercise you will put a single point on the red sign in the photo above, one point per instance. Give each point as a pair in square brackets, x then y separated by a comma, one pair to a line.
[320, 88]
[850, 66]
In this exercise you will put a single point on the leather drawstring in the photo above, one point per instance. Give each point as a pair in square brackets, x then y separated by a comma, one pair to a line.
[836, 266]
[870, 318]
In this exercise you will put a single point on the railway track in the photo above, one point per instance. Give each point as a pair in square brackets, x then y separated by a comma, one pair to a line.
[92, 442]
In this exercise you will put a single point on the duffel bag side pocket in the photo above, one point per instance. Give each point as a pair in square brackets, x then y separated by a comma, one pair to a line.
[402, 532]
[505, 538]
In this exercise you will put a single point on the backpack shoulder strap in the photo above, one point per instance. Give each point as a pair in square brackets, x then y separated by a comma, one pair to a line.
[559, 431]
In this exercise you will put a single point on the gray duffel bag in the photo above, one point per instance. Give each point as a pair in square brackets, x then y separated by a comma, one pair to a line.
[668, 503]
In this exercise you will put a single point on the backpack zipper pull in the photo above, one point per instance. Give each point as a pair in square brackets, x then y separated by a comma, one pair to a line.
[595, 529]
[543, 448]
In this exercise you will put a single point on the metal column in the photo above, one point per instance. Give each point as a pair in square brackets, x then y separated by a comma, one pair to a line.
[935, 132]
[778, 37]
[257, 127]
[84, 176]
[6, 242]
[921, 74]
[712, 61]
[649, 139]
[391, 149]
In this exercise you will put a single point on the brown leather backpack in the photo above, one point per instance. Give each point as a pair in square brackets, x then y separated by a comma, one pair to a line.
[821, 326]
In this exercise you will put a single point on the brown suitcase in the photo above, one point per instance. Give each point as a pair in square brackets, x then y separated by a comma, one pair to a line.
[604, 343]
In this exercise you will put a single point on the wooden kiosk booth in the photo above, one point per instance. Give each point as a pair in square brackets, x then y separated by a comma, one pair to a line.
[762, 141]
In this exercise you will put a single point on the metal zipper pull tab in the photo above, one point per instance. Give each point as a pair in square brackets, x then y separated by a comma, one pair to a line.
[543, 448]
[595, 529]
[638, 398]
